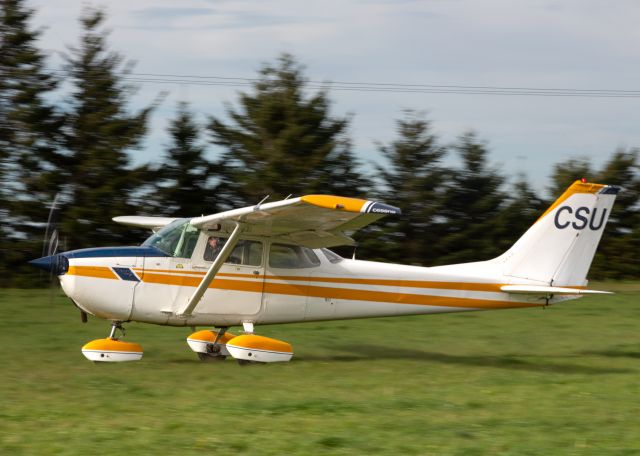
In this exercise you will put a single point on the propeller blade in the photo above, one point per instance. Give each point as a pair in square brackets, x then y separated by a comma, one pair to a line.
[50, 244]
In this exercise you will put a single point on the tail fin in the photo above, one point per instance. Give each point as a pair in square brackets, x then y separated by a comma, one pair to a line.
[559, 248]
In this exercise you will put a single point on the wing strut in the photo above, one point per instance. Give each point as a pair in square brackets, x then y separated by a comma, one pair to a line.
[211, 273]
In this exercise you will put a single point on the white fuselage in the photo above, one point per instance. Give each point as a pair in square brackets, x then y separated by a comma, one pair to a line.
[152, 289]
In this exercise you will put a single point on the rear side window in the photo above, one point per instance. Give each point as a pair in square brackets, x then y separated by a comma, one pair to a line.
[248, 253]
[332, 256]
[286, 256]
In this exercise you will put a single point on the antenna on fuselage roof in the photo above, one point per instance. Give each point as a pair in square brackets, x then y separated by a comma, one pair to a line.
[354, 252]
[289, 196]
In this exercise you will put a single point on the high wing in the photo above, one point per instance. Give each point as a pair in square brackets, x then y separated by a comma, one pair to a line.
[153, 223]
[313, 221]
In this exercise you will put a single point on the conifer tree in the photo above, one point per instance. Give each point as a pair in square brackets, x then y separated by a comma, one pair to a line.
[521, 209]
[565, 174]
[472, 206]
[412, 178]
[618, 256]
[281, 141]
[185, 187]
[28, 124]
[99, 182]
[29, 128]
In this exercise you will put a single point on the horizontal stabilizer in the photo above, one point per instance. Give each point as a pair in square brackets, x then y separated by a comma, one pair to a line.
[544, 290]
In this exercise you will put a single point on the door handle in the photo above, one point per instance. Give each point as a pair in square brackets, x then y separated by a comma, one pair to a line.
[256, 272]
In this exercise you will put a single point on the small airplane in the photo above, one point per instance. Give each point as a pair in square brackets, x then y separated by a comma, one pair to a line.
[270, 264]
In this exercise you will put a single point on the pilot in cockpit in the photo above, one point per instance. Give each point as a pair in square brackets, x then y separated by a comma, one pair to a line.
[214, 245]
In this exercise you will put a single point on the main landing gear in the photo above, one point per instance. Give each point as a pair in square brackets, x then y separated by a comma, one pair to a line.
[246, 349]
[111, 349]
[210, 345]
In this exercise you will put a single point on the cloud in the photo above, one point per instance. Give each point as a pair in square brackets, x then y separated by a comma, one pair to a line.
[235, 16]
[170, 13]
[570, 43]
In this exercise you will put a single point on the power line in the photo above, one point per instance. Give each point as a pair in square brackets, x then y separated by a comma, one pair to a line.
[238, 82]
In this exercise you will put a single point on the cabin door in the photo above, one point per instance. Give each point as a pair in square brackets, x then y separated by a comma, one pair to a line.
[238, 286]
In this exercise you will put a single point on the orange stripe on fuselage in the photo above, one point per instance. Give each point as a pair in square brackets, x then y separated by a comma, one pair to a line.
[304, 290]
[222, 284]
[101, 272]
[389, 297]
[466, 286]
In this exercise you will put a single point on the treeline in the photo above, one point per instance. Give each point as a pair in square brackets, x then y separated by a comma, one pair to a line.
[73, 134]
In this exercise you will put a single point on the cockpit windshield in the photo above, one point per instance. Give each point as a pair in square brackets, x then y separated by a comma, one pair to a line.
[177, 239]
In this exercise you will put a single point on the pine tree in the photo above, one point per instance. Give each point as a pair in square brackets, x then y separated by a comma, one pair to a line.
[99, 182]
[472, 206]
[565, 174]
[412, 178]
[185, 187]
[279, 141]
[28, 123]
[522, 208]
[617, 256]
[29, 129]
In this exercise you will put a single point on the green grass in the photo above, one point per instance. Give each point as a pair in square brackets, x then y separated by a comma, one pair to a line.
[563, 380]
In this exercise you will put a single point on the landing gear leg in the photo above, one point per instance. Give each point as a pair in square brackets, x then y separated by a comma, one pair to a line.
[116, 325]
[213, 350]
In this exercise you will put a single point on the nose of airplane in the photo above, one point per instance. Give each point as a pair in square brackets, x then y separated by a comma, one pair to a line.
[57, 264]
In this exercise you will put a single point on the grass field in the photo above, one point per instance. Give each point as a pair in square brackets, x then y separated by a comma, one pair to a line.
[563, 380]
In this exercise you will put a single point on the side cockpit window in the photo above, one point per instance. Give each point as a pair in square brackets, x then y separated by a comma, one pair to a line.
[286, 256]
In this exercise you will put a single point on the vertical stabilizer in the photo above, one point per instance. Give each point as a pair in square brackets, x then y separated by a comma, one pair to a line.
[559, 248]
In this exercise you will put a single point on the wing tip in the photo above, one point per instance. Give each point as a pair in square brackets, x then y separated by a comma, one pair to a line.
[343, 203]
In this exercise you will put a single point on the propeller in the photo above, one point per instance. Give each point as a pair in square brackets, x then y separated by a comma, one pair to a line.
[51, 240]
[50, 248]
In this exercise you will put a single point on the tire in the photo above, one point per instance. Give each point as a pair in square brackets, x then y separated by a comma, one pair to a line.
[209, 358]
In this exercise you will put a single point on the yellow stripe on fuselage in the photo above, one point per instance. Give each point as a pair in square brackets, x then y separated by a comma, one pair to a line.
[225, 281]
[389, 297]
[101, 272]
[461, 286]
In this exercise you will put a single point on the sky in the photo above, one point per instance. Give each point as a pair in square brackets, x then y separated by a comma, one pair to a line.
[574, 44]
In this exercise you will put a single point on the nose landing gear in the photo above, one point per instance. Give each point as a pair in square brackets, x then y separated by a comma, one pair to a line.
[111, 349]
